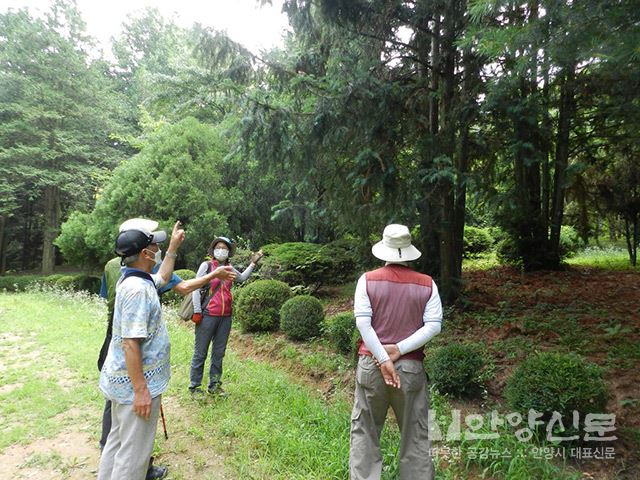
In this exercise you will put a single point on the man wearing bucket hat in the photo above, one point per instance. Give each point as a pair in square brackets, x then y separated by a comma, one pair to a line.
[397, 310]
[136, 371]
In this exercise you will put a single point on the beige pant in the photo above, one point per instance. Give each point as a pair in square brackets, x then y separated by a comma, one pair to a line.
[410, 404]
[129, 444]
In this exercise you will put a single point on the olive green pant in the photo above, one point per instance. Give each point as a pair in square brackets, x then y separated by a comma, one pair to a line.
[410, 404]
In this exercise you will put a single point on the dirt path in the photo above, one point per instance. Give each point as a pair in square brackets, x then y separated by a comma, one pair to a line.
[73, 454]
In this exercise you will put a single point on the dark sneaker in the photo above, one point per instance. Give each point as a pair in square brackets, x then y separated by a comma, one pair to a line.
[195, 391]
[217, 390]
[156, 471]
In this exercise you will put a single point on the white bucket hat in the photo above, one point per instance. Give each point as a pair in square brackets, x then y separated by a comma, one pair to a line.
[395, 245]
[145, 226]
[135, 235]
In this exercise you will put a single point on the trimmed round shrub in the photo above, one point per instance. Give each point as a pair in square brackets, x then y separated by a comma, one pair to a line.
[257, 307]
[173, 297]
[66, 282]
[548, 382]
[18, 283]
[87, 283]
[242, 258]
[300, 263]
[185, 273]
[301, 317]
[476, 241]
[288, 262]
[51, 279]
[343, 256]
[455, 369]
[339, 330]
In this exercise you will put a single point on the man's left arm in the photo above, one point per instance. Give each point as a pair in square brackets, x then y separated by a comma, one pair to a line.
[166, 269]
[432, 319]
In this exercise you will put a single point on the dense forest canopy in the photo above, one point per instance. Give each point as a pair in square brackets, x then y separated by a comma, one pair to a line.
[523, 116]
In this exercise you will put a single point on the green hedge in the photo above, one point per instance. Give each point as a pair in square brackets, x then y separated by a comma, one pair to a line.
[455, 369]
[257, 307]
[548, 382]
[301, 317]
[341, 331]
[310, 264]
[76, 282]
[18, 283]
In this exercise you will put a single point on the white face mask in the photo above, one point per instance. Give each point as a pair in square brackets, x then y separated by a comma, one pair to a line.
[157, 256]
[221, 254]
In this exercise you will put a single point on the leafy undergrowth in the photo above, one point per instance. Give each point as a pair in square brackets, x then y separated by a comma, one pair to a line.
[590, 311]
[288, 411]
[607, 258]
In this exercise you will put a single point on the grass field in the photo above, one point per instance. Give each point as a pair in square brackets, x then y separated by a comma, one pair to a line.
[287, 416]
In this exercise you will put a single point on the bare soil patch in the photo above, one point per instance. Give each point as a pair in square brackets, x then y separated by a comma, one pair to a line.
[70, 455]
[74, 453]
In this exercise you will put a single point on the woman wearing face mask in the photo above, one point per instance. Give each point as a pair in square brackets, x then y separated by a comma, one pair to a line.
[214, 323]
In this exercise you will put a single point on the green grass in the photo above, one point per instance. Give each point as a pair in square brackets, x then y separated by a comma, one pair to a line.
[315, 361]
[508, 458]
[607, 258]
[269, 426]
[63, 333]
[480, 262]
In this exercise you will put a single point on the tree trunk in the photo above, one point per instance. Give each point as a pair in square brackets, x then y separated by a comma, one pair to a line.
[27, 244]
[631, 237]
[636, 233]
[3, 244]
[462, 166]
[449, 278]
[566, 113]
[51, 227]
[546, 142]
[528, 224]
[469, 113]
[428, 210]
[611, 224]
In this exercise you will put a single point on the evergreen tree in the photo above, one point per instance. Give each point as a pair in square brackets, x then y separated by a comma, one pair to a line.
[55, 120]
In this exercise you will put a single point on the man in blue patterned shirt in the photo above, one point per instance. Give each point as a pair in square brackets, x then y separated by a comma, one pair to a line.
[137, 369]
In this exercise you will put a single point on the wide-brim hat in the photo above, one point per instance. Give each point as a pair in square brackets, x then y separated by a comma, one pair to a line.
[136, 234]
[395, 245]
[227, 241]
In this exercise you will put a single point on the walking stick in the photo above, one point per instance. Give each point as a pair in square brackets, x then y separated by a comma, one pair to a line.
[164, 423]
